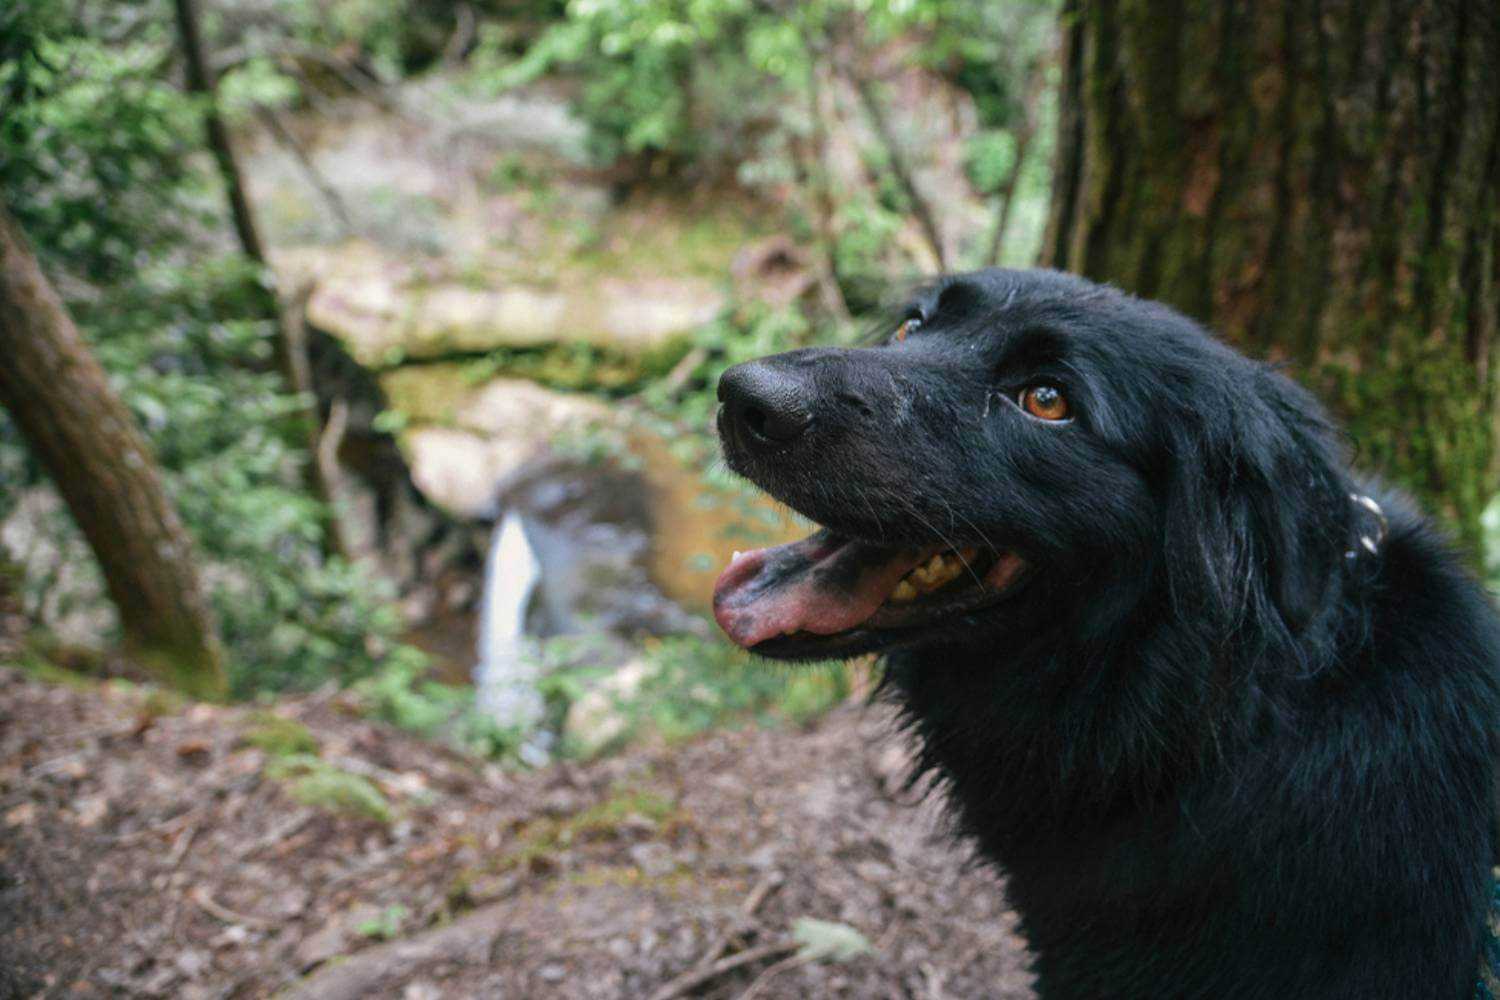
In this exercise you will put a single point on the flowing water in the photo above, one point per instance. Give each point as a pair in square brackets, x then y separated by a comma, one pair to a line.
[506, 674]
[569, 556]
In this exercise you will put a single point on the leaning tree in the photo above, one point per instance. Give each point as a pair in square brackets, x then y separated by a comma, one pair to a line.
[1316, 181]
[84, 437]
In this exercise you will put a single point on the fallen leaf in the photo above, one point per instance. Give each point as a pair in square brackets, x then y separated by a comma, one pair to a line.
[821, 939]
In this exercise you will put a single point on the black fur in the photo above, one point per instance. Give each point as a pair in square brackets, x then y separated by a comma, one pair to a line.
[1215, 755]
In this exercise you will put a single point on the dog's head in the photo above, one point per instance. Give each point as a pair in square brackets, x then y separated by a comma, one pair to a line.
[1029, 453]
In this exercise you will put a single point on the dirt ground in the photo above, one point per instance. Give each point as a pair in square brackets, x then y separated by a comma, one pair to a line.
[151, 849]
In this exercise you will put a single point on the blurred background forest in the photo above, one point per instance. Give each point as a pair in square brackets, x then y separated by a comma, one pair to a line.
[383, 339]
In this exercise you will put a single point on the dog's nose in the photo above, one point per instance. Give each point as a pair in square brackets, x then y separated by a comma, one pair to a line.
[764, 403]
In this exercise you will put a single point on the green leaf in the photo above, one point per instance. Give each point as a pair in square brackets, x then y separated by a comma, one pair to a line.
[820, 939]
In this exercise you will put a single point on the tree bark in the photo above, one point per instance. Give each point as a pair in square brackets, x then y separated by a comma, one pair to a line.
[84, 437]
[1317, 181]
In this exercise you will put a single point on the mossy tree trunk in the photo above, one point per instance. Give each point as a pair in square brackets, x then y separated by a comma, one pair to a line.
[1318, 182]
[84, 437]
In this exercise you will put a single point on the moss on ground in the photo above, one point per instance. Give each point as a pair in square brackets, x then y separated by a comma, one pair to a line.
[279, 736]
[315, 782]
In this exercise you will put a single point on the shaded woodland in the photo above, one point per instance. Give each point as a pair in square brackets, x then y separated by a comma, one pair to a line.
[359, 501]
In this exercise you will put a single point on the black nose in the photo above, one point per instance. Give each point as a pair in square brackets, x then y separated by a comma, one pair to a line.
[764, 403]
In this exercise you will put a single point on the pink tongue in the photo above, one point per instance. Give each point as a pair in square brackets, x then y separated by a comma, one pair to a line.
[822, 584]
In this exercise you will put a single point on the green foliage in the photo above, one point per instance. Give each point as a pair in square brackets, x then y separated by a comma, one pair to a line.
[651, 72]
[704, 81]
[710, 88]
[703, 684]
[387, 925]
[315, 782]
[100, 162]
[402, 693]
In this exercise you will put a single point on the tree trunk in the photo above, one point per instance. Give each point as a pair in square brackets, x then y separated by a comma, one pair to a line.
[288, 346]
[1317, 181]
[81, 433]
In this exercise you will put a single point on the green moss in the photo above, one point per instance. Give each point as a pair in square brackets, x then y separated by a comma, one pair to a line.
[598, 822]
[1412, 419]
[315, 782]
[37, 664]
[195, 669]
[621, 877]
[281, 737]
[579, 366]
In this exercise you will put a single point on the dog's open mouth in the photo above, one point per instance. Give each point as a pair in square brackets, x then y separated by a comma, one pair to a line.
[827, 590]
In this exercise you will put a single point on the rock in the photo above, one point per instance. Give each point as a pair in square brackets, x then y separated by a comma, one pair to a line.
[466, 439]
[457, 470]
[385, 314]
[500, 426]
[597, 719]
[497, 407]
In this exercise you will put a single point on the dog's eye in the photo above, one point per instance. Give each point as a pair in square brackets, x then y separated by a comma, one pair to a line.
[1045, 402]
[908, 326]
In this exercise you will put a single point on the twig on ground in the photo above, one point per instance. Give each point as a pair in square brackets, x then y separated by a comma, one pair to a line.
[791, 962]
[690, 981]
[374, 971]
[180, 847]
[762, 891]
[759, 893]
[200, 895]
[278, 833]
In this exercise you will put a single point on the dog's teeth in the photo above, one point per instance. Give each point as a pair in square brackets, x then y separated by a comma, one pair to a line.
[904, 592]
[738, 555]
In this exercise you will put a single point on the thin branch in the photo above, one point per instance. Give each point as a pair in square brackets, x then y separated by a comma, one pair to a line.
[690, 981]
[462, 39]
[790, 962]
[822, 194]
[200, 895]
[321, 184]
[1025, 132]
[900, 168]
[201, 83]
[356, 80]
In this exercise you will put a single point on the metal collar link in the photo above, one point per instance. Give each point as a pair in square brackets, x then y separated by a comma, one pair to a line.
[1370, 540]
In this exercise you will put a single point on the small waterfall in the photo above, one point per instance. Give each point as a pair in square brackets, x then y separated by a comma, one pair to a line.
[506, 674]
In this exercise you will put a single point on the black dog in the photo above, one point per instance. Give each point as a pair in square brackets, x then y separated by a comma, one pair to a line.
[1222, 712]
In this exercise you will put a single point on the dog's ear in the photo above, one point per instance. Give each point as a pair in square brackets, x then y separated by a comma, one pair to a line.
[1256, 514]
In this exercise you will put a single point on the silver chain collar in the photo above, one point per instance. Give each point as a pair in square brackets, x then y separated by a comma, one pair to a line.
[1370, 542]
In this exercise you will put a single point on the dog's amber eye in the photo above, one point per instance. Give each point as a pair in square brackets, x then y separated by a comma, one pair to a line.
[908, 326]
[1045, 402]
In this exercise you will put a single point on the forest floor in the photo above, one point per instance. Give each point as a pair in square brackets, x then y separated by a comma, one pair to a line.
[153, 848]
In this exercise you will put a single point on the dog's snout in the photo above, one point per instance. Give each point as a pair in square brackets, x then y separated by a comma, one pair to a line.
[764, 403]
